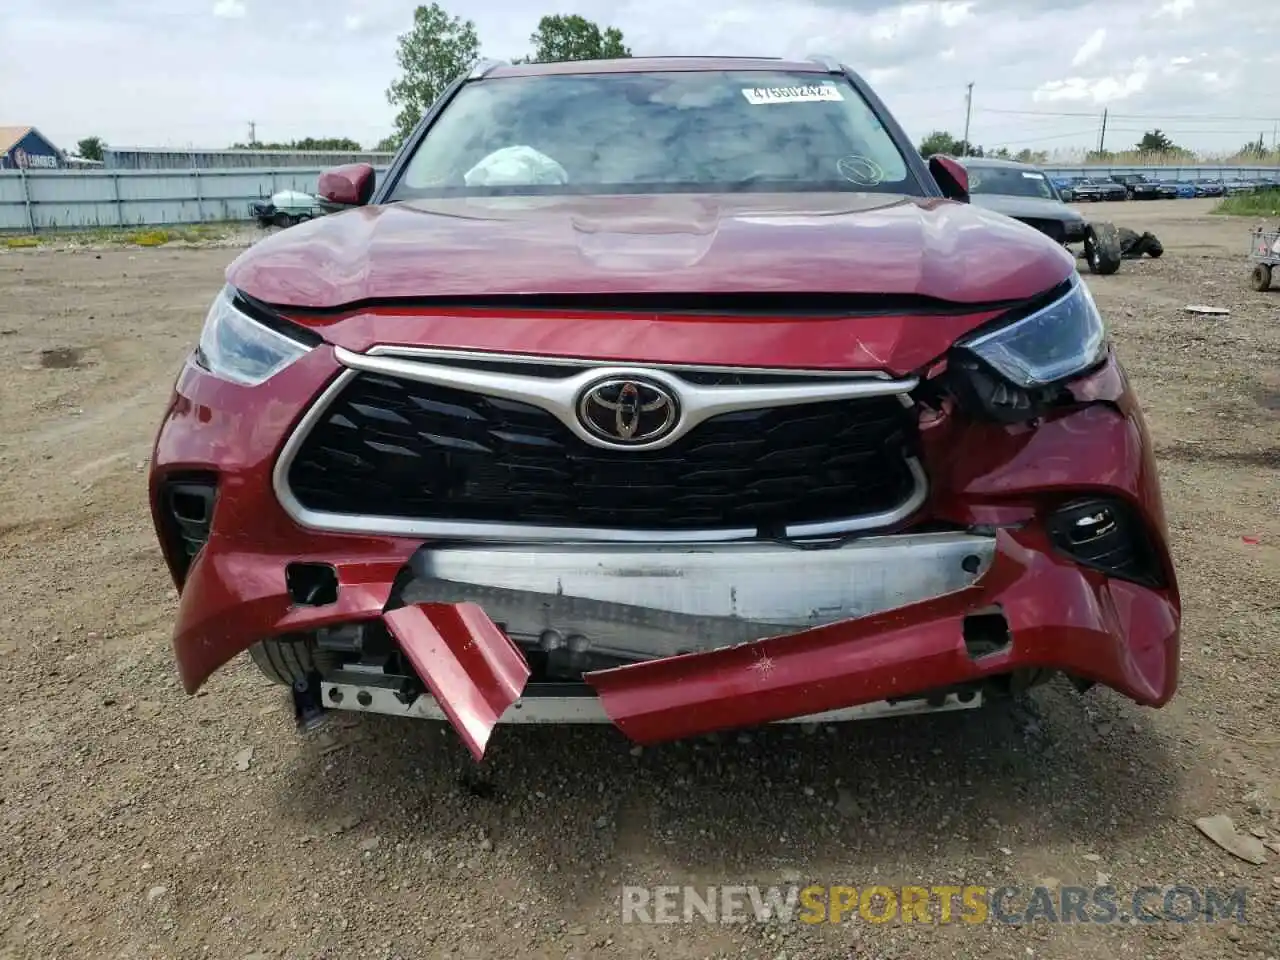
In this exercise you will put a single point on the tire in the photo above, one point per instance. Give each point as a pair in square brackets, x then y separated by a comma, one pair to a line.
[1102, 249]
[1260, 279]
[283, 220]
[285, 660]
[1155, 249]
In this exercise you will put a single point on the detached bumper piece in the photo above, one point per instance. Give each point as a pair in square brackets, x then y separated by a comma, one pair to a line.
[676, 642]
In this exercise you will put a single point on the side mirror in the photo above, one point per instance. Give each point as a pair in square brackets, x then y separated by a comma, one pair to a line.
[347, 186]
[951, 177]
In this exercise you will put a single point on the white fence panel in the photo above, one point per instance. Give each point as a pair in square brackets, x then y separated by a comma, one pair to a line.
[43, 200]
[72, 199]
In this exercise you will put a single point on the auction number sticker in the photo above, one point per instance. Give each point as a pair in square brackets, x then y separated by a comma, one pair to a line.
[813, 93]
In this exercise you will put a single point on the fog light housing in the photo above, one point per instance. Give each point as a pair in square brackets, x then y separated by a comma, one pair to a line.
[186, 516]
[1106, 535]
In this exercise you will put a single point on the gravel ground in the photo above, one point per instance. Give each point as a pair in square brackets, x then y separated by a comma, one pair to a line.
[138, 822]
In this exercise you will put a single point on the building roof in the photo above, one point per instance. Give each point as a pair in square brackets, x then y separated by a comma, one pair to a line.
[9, 137]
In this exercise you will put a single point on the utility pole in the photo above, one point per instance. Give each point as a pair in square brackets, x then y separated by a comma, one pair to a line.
[253, 133]
[1102, 134]
[968, 112]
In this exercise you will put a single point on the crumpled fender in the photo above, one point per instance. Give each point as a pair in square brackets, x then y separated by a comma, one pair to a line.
[232, 599]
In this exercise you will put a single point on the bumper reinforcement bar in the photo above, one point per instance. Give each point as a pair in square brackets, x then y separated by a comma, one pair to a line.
[588, 709]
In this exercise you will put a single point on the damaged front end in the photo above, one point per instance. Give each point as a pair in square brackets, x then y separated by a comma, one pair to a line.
[439, 535]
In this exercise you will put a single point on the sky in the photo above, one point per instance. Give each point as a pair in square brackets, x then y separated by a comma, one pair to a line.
[197, 72]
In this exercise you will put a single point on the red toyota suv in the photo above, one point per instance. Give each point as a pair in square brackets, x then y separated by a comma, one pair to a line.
[679, 394]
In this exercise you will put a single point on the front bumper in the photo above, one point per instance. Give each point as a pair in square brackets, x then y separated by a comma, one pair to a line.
[682, 640]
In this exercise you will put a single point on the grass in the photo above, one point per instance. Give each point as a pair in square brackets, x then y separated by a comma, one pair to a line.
[1263, 203]
[124, 236]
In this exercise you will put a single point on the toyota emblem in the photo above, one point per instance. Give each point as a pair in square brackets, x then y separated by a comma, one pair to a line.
[627, 411]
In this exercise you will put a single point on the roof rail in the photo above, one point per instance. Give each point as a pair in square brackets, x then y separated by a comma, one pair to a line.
[481, 67]
[828, 63]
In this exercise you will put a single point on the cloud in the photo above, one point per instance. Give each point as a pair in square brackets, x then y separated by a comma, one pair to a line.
[1190, 59]
[1104, 89]
[229, 9]
[1090, 48]
[1177, 8]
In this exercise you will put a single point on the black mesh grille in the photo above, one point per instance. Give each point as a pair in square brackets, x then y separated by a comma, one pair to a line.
[392, 447]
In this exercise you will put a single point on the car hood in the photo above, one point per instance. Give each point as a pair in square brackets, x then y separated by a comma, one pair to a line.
[666, 244]
[1033, 207]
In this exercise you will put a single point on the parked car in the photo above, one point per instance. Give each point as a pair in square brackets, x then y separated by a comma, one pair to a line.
[1065, 188]
[583, 415]
[1235, 186]
[1023, 192]
[1137, 187]
[1098, 188]
[1209, 188]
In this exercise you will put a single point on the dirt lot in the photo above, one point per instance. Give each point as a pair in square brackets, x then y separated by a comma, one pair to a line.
[129, 829]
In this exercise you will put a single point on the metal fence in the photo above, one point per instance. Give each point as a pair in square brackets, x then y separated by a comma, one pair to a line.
[35, 201]
[1184, 173]
[42, 200]
[159, 158]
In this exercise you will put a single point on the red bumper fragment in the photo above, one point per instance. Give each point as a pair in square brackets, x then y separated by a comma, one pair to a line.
[470, 666]
[1059, 615]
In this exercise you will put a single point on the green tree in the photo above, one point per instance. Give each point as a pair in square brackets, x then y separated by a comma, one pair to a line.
[306, 143]
[1253, 150]
[1155, 141]
[1027, 155]
[388, 144]
[90, 148]
[939, 141]
[431, 56]
[560, 38]
[328, 143]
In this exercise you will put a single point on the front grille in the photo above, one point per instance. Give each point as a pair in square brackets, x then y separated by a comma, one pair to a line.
[1050, 228]
[392, 447]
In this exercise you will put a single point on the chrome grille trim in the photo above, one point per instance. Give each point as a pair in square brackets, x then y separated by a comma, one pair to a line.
[558, 396]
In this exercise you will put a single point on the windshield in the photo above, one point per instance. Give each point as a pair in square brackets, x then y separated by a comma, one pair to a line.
[698, 131]
[1010, 182]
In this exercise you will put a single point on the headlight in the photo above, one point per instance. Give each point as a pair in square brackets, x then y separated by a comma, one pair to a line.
[237, 348]
[1064, 338]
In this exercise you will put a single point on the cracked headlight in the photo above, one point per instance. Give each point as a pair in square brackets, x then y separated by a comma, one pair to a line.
[1065, 338]
[236, 347]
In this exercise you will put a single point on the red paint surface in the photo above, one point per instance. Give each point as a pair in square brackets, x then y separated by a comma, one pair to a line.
[1116, 633]
[663, 244]
[350, 184]
[470, 666]
[1122, 635]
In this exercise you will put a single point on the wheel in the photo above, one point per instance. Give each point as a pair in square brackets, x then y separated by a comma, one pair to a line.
[284, 220]
[1260, 279]
[1102, 249]
[287, 659]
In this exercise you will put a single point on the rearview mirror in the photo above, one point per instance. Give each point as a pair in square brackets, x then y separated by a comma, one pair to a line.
[951, 177]
[350, 185]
